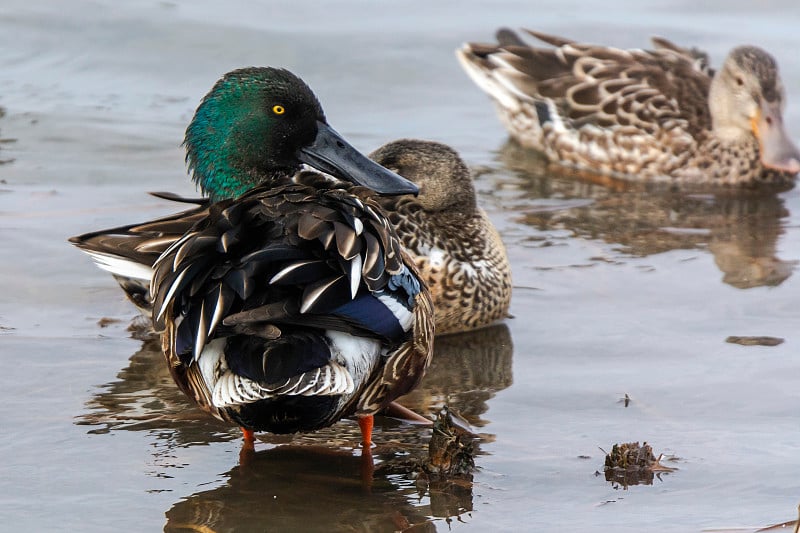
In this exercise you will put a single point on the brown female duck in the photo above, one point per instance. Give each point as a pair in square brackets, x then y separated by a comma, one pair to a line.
[658, 115]
[455, 246]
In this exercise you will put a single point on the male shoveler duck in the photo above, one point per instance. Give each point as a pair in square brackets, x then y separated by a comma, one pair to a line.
[455, 246]
[657, 115]
[290, 303]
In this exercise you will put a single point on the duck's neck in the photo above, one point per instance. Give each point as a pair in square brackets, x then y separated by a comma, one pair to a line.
[232, 170]
[727, 122]
[220, 185]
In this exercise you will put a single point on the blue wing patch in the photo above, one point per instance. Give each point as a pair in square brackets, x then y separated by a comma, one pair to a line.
[369, 313]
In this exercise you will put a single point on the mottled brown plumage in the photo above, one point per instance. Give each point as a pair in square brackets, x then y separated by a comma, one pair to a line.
[455, 246]
[658, 115]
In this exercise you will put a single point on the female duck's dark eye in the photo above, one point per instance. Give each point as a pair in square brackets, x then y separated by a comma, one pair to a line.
[278, 109]
[739, 81]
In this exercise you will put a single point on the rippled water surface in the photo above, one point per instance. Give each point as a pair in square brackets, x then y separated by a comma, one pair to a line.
[617, 292]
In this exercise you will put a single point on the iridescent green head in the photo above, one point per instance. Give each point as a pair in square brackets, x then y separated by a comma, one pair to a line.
[261, 123]
[247, 128]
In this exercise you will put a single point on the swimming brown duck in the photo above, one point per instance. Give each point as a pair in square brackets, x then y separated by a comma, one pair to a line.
[660, 115]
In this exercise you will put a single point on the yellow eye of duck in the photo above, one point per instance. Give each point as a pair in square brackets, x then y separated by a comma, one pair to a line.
[278, 109]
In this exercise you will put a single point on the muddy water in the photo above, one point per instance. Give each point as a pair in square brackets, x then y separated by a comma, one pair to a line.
[618, 292]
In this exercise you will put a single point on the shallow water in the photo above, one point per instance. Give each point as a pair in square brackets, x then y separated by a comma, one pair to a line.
[617, 291]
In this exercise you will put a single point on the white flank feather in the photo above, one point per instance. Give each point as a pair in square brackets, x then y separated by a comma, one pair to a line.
[331, 380]
[200, 334]
[217, 315]
[339, 379]
[291, 268]
[173, 247]
[233, 390]
[357, 355]
[312, 297]
[355, 274]
[312, 377]
[211, 362]
[120, 266]
[170, 293]
[358, 226]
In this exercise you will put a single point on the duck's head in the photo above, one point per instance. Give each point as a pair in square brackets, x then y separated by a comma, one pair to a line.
[747, 98]
[444, 180]
[259, 123]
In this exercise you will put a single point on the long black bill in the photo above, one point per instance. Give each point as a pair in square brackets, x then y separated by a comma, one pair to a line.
[331, 154]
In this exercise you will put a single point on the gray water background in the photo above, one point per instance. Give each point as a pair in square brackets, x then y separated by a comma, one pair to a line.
[617, 292]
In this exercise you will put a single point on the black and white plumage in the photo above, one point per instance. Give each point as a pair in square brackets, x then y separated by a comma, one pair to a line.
[291, 307]
[284, 302]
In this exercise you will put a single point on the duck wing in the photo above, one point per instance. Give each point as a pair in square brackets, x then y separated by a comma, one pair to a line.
[312, 273]
[128, 252]
[599, 85]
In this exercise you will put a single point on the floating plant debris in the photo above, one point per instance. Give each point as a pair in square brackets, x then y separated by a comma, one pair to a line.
[451, 451]
[107, 321]
[754, 341]
[632, 464]
[450, 455]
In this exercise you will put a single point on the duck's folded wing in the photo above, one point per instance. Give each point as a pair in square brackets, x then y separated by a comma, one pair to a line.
[585, 83]
[132, 249]
[286, 257]
[129, 252]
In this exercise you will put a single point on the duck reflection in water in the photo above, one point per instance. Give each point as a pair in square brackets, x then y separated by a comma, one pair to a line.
[740, 229]
[275, 489]
[145, 398]
[467, 370]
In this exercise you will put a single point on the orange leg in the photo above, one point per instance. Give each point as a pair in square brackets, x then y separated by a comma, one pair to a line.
[366, 423]
[367, 465]
[249, 437]
[248, 450]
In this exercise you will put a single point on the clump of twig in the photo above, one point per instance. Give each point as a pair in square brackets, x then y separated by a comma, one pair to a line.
[450, 455]
[451, 451]
[632, 464]
[446, 474]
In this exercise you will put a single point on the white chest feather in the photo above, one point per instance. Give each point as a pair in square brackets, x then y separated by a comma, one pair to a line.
[436, 257]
